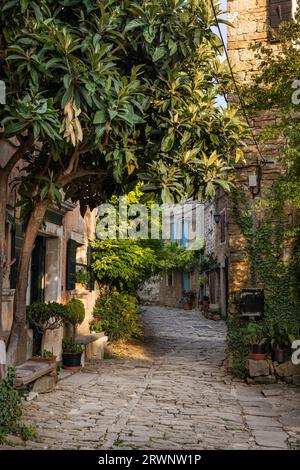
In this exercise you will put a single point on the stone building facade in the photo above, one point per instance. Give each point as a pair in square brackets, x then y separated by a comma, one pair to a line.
[214, 273]
[62, 248]
[186, 222]
[253, 20]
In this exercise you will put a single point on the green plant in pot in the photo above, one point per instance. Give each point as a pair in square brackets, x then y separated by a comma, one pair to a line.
[44, 317]
[256, 338]
[188, 298]
[282, 337]
[71, 357]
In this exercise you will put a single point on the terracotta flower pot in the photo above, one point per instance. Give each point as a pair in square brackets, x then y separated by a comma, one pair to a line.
[258, 352]
[187, 306]
[51, 359]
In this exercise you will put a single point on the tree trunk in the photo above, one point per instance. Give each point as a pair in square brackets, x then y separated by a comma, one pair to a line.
[3, 203]
[18, 331]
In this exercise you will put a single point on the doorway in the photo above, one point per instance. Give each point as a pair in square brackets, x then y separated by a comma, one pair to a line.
[37, 286]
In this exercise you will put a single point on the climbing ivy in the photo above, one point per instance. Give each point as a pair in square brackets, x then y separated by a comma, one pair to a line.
[272, 269]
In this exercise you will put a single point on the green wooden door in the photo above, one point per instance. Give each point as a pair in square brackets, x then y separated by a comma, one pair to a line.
[37, 291]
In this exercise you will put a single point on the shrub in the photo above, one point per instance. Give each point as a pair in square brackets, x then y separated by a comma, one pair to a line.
[116, 314]
[75, 312]
[10, 405]
[69, 346]
[48, 316]
[237, 346]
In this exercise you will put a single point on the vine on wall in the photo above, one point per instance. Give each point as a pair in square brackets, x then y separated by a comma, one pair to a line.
[273, 251]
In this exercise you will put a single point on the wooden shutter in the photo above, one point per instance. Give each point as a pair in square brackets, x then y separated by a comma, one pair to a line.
[280, 10]
[71, 264]
[16, 245]
[91, 281]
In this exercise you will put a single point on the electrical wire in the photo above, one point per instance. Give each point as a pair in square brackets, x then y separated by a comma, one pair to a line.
[262, 160]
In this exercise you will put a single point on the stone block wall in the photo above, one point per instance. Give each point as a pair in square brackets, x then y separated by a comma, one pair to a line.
[251, 25]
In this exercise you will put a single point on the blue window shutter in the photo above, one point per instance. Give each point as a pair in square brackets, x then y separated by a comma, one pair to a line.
[184, 235]
[186, 282]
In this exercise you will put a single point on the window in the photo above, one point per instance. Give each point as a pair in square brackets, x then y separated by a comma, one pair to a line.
[280, 10]
[16, 245]
[169, 279]
[78, 272]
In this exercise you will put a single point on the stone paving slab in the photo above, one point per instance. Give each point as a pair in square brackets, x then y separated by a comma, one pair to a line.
[180, 398]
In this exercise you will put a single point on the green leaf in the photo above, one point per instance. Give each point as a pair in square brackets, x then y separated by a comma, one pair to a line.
[68, 95]
[133, 24]
[168, 142]
[100, 117]
[149, 34]
[159, 53]
[112, 113]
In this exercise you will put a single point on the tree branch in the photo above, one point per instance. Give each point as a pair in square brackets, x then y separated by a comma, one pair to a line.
[80, 173]
[22, 149]
[72, 162]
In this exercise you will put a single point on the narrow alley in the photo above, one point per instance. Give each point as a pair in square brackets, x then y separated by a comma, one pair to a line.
[181, 398]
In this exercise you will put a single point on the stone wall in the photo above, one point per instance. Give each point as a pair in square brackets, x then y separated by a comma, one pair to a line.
[251, 24]
[149, 291]
[171, 288]
[56, 236]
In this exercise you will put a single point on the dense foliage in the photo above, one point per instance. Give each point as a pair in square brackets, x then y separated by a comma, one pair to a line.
[10, 405]
[70, 346]
[102, 94]
[75, 312]
[116, 314]
[127, 263]
[131, 86]
[11, 410]
[46, 316]
[274, 248]
[271, 269]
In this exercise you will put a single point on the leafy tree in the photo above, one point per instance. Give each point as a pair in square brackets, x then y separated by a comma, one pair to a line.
[125, 264]
[103, 93]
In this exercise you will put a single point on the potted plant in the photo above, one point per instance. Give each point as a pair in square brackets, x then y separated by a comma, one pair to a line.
[254, 335]
[71, 356]
[72, 351]
[46, 316]
[188, 299]
[81, 278]
[46, 356]
[281, 338]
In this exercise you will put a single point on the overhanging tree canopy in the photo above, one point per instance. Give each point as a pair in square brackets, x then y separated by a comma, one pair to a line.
[108, 92]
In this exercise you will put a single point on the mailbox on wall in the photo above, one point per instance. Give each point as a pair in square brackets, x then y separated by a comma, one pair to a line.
[251, 302]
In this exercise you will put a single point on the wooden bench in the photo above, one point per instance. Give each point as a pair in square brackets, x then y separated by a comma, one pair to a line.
[30, 371]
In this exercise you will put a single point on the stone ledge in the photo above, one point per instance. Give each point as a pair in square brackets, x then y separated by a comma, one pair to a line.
[258, 368]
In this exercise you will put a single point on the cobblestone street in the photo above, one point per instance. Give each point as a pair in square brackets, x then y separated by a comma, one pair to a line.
[181, 398]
